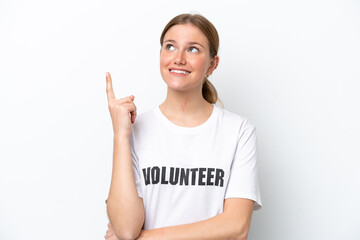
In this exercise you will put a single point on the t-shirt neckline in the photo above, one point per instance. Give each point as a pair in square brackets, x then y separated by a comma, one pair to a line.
[186, 130]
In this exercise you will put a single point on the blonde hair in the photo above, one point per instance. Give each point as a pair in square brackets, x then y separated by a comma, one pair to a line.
[208, 29]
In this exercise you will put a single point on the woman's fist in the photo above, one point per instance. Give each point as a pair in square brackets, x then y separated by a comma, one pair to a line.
[122, 111]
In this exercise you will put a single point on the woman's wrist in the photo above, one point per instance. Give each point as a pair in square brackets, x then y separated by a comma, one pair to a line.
[121, 137]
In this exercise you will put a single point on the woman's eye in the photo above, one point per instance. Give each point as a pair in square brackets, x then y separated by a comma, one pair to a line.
[193, 49]
[170, 47]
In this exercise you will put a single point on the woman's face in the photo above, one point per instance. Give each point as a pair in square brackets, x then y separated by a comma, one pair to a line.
[185, 58]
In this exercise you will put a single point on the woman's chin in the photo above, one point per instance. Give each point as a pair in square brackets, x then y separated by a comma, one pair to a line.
[177, 88]
[182, 87]
[176, 85]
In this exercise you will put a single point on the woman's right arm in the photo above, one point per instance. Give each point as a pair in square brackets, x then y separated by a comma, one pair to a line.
[125, 208]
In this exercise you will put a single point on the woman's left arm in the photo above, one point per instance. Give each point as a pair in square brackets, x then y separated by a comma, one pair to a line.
[232, 223]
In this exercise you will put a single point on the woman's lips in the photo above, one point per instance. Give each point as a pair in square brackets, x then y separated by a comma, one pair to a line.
[179, 72]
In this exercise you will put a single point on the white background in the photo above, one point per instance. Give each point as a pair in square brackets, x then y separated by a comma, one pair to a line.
[291, 67]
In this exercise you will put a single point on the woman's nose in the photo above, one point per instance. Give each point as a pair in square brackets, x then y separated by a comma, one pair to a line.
[180, 58]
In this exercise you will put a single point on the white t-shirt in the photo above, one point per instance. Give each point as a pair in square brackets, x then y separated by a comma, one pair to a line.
[183, 174]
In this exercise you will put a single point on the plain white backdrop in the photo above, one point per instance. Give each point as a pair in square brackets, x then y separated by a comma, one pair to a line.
[291, 67]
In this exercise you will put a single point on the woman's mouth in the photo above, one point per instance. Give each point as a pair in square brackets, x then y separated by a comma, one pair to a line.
[179, 72]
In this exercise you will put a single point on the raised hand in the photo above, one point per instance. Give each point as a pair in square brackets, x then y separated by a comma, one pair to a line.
[122, 111]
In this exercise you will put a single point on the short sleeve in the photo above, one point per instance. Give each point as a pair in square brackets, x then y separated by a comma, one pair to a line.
[135, 164]
[243, 180]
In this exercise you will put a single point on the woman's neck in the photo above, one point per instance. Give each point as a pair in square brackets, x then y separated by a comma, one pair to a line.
[186, 108]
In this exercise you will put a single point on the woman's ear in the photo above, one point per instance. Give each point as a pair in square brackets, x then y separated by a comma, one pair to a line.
[213, 65]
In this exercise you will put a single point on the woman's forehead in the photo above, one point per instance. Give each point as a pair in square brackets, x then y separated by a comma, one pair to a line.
[185, 33]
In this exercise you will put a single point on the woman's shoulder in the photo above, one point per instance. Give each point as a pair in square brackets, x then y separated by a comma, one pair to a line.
[231, 118]
[146, 116]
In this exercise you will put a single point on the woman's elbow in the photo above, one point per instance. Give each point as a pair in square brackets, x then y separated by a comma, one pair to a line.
[242, 236]
[241, 233]
[126, 235]
[127, 232]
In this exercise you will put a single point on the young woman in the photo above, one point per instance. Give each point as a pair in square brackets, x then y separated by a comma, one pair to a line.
[187, 168]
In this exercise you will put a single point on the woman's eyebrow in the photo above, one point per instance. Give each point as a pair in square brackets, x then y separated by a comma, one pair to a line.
[189, 43]
[196, 43]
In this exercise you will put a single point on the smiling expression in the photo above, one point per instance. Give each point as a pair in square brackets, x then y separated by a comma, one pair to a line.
[185, 58]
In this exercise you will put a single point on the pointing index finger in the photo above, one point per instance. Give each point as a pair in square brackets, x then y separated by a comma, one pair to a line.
[109, 89]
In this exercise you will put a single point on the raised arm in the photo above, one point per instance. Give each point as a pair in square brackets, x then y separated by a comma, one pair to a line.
[125, 208]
